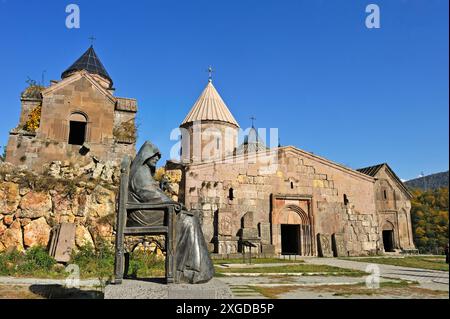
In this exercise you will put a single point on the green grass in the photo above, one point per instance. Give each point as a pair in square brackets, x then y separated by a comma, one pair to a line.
[35, 262]
[99, 263]
[304, 269]
[93, 263]
[399, 288]
[423, 262]
[255, 261]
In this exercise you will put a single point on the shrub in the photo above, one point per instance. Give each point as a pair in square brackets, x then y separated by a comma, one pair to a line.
[35, 262]
[95, 262]
[34, 119]
[125, 131]
[36, 258]
[145, 264]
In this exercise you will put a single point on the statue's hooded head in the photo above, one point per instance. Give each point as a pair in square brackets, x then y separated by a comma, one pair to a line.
[148, 155]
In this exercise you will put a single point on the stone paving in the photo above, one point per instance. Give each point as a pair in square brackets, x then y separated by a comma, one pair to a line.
[430, 279]
[244, 286]
[41, 281]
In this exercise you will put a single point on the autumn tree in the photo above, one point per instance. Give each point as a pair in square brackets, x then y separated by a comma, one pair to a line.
[429, 214]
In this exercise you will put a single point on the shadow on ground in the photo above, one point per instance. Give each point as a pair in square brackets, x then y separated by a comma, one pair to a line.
[61, 292]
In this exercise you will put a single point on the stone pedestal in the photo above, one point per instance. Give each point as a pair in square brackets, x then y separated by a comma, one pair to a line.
[227, 244]
[157, 289]
[267, 249]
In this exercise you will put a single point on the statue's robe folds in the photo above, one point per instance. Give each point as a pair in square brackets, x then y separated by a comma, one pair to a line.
[193, 263]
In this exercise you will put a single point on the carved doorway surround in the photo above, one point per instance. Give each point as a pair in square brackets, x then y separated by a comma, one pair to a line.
[287, 209]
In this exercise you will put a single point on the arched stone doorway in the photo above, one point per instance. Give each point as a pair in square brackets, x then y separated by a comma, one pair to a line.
[295, 232]
[388, 235]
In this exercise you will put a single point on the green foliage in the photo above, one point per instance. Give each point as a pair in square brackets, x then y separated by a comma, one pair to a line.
[35, 262]
[145, 265]
[429, 214]
[126, 131]
[95, 262]
[37, 257]
[256, 261]
[424, 262]
[99, 262]
[34, 119]
[305, 269]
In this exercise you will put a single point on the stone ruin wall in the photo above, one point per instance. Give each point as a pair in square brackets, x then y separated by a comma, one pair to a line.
[49, 142]
[31, 205]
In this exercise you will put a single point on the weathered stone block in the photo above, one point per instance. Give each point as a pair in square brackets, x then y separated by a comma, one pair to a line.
[324, 245]
[267, 249]
[35, 205]
[83, 237]
[339, 247]
[225, 222]
[249, 233]
[63, 241]
[247, 220]
[264, 233]
[9, 197]
[12, 237]
[36, 233]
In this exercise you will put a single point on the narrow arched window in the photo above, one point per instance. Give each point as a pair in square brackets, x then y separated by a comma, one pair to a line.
[292, 185]
[231, 193]
[77, 129]
[345, 199]
[385, 194]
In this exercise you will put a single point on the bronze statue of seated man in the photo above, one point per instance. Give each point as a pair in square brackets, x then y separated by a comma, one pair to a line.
[193, 263]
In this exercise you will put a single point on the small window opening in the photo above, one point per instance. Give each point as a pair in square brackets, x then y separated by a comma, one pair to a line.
[345, 199]
[292, 185]
[384, 194]
[77, 133]
[231, 194]
[218, 143]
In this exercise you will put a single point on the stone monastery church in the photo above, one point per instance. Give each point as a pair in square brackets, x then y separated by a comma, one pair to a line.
[277, 200]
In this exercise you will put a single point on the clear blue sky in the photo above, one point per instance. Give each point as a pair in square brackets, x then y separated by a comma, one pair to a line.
[310, 68]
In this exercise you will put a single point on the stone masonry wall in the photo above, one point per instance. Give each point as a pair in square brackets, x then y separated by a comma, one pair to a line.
[31, 204]
[207, 186]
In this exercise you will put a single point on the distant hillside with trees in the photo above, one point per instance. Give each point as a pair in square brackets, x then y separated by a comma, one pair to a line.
[432, 181]
[429, 214]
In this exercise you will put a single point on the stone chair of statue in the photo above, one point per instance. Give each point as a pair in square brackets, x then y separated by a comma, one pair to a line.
[145, 209]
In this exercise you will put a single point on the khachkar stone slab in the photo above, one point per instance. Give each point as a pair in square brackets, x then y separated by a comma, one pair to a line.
[249, 233]
[264, 233]
[338, 243]
[247, 220]
[63, 241]
[157, 289]
[324, 242]
[225, 222]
